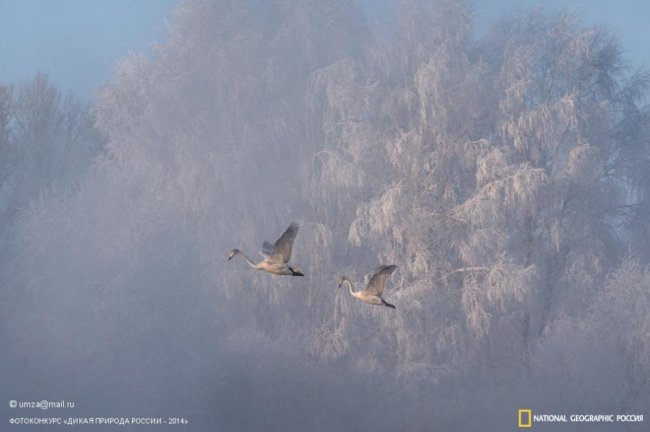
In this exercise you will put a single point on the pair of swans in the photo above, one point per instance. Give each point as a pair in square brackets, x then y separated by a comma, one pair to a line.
[277, 259]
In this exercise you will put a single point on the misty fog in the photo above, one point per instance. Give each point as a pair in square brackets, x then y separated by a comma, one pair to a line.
[507, 175]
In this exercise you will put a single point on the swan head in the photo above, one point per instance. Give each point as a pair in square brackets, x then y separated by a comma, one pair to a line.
[233, 253]
[341, 280]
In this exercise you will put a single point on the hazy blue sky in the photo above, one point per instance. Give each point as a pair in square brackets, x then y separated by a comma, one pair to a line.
[77, 41]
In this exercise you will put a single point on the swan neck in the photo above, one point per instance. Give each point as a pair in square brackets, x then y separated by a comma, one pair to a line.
[248, 260]
[350, 286]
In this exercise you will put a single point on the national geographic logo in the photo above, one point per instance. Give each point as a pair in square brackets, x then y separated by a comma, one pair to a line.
[526, 418]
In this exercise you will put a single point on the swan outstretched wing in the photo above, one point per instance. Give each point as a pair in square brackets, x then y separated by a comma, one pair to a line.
[283, 246]
[267, 248]
[379, 279]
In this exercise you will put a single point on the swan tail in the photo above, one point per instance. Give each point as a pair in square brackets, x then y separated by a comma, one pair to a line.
[296, 272]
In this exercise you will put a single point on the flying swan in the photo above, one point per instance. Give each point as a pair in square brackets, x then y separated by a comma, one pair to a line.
[277, 254]
[372, 293]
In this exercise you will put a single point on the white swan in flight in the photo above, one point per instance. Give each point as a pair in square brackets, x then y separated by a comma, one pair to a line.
[277, 254]
[372, 293]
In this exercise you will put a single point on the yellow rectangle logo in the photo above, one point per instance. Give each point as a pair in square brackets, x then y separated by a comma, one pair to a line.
[525, 418]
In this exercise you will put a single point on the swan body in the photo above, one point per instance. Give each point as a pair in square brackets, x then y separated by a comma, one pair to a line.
[277, 254]
[373, 292]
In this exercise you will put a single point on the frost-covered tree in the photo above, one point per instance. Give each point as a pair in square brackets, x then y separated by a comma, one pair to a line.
[47, 142]
[52, 138]
[5, 107]
[496, 188]
[629, 162]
